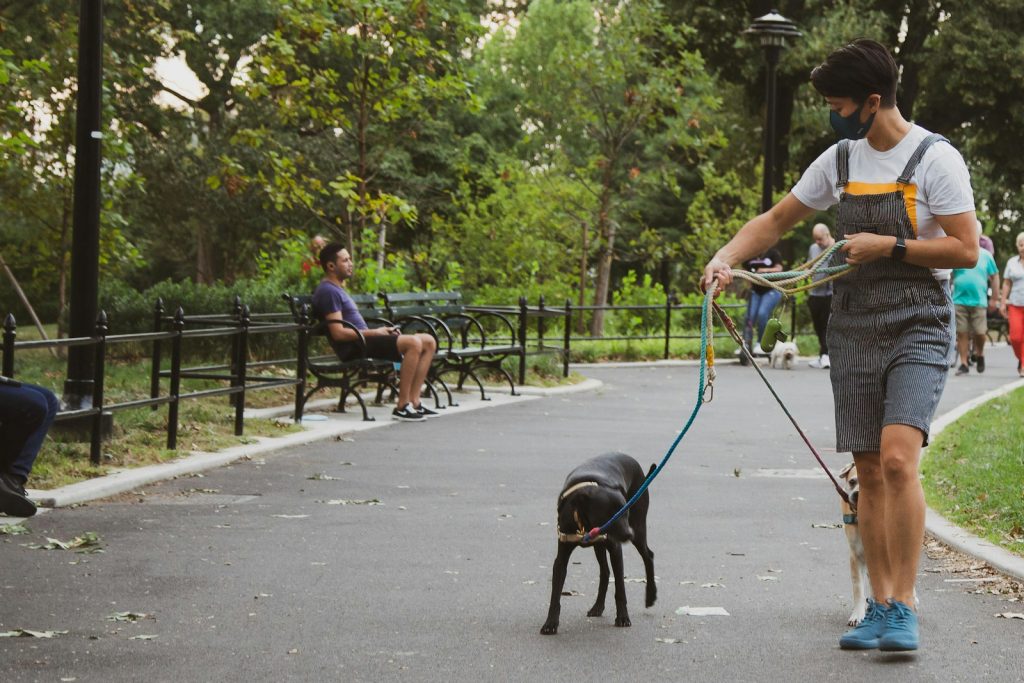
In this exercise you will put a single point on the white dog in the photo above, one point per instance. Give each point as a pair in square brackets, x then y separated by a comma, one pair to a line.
[784, 355]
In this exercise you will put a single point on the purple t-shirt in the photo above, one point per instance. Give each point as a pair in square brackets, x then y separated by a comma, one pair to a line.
[329, 298]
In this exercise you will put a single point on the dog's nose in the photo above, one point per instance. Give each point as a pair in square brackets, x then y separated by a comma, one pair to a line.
[853, 498]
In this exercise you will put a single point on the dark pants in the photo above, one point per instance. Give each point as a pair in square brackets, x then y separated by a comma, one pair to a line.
[821, 308]
[26, 413]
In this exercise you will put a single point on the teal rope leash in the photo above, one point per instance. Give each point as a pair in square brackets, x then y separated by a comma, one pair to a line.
[701, 391]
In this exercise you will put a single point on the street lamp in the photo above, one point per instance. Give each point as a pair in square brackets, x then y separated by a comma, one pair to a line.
[772, 30]
[85, 240]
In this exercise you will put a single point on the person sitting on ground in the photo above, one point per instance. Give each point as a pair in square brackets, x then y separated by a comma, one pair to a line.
[26, 413]
[971, 301]
[414, 351]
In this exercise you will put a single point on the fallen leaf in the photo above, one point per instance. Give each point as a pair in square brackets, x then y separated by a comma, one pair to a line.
[144, 637]
[127, 616]
[26, 633]
[293, 651]
[291, 516]
[1010, 615]
[572, 594]
[670, 641]
[89, 542]
[320, 476]
[712, 585]
[768, 578]
[342, 501]
[13, 530]
[827, 526]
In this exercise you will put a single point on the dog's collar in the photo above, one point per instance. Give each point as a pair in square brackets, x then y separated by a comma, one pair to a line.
[580, 531]
[577, 487]
[850, 519]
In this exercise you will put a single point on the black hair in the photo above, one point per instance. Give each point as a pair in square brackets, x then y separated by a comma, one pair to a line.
[329, 254]
[858, 70]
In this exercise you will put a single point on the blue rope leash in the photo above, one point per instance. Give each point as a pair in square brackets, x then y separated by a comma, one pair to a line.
[701, 388]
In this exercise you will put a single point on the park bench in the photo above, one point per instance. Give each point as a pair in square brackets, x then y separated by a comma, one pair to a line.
[470, 339]
[317, 357]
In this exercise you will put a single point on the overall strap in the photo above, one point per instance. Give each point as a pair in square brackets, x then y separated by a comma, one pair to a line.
[842, 163]
[915, 158]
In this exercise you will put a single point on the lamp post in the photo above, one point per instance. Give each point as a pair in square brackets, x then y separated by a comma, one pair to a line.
[772, 30]
[85, 241]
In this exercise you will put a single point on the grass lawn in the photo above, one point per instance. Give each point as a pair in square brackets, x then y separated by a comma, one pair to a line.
[974, 472]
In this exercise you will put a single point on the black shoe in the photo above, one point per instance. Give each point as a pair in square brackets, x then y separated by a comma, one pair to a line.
[407, 414]
[425, 412]
[13, 498]
[981, 364]
[962, 370]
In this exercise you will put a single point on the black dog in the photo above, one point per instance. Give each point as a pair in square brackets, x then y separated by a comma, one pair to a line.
[592, 494]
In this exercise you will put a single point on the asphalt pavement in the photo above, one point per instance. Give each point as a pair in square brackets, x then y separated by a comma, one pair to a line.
[422, 552]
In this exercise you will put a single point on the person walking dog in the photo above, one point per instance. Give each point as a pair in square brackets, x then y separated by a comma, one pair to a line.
[906, 211]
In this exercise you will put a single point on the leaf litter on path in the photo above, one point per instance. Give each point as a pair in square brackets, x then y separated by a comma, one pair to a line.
[89, 542]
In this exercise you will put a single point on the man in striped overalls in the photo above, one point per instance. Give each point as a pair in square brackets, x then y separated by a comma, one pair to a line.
[906, 209]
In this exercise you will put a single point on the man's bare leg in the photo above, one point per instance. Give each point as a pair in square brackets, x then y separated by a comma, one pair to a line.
[904, 508]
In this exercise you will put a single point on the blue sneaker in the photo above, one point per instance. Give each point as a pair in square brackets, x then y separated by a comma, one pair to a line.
[865, 635]
[901, 631]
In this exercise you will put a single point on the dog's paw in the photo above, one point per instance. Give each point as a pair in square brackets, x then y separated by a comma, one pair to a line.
[855, 618]
[549, 629]
[596, 611]
[622, 621]
[652, 594]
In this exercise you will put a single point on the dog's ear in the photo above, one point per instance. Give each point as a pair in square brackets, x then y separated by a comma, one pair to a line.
[654, 466]
[846, 470]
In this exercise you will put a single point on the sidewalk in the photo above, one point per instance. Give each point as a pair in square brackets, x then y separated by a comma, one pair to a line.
[321, 426]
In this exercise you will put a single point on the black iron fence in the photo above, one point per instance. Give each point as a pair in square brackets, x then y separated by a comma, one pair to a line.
[239, 326]
[240, 374]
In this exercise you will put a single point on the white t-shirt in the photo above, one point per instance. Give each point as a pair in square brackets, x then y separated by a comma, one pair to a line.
[1014, 273]
[942, 182]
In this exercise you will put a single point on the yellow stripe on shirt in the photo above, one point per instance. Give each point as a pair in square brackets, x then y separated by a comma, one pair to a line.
[909, 195]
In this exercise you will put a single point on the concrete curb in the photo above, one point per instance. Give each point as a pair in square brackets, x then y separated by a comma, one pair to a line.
[952, 535]
[331, 425]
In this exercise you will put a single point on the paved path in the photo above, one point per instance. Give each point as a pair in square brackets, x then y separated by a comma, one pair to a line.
[250, 573]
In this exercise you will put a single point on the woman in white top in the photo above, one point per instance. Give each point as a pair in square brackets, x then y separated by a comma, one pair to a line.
[1012, 301]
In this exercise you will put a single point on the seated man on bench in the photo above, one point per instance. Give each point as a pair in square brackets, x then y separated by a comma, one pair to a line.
[415, 351]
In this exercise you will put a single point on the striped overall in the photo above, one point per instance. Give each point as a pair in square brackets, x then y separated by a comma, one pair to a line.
[889, 332]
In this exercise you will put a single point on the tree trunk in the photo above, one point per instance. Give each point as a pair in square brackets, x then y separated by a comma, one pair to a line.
[204, 258]
[382, 240]
[606, 229]
[584, 249]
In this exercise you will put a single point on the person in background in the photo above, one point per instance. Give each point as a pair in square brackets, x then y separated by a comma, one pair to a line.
[972, 303]
[26, 413]
[415, 351]
[1011, 303]
[763, 300]
[819, 299]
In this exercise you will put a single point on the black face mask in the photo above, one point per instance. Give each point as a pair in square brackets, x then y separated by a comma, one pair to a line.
[850, 127]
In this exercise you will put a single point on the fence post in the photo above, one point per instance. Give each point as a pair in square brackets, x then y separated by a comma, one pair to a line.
[540, 323]
[236, 312]
[241, 360]
[522, 340]
[154, 375]
[97, 387]
[669, 300]
[568, 336]
[172, 410]
[300, 363]
[10, 334]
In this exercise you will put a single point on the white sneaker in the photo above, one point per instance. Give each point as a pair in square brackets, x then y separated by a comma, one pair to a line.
[815, 362]
[825, 362]
[758, 351]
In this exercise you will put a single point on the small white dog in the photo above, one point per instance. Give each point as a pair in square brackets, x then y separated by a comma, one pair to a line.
[784, 355]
